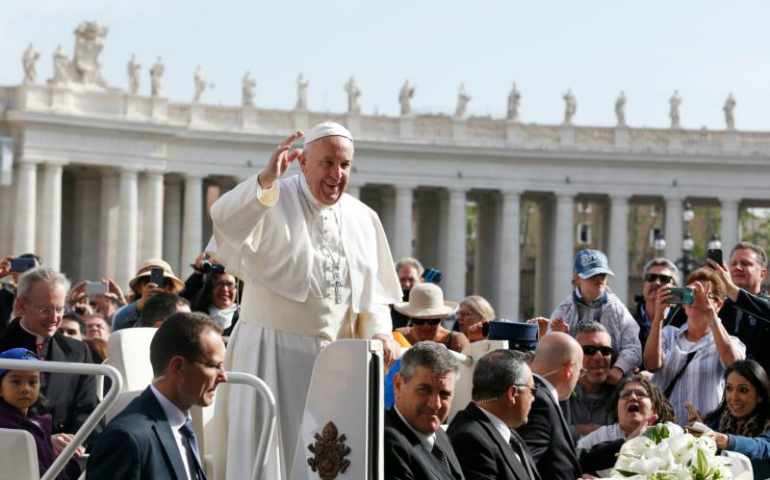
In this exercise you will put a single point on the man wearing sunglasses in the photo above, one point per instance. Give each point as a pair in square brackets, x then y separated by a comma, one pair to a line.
[586, 409]
[659, 272]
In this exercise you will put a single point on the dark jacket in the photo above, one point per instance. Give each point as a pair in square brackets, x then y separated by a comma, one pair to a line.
[405, 458]
[137, 444]
[39, 426]
[548, 437]
[73, 397]
[483, 453]
[7, 298]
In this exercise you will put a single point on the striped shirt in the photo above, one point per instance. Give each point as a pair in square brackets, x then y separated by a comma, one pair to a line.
[702, 384]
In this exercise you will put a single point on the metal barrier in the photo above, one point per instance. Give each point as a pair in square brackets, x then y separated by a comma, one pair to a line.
[92, 420]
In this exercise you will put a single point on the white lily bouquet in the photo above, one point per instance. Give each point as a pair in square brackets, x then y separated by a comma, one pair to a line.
[666, 452]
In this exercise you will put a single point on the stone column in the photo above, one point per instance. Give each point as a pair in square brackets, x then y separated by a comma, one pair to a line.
[510, 270]
[487, 256]
[49, 223]
[673, 232]
[563, 248]
[152, 231]
[454, 263]
[618, 245]
[401, 242]
[428, 230]
[26, 209]
[730, 234]
[192, 223]
[109, 224]
[172, 223]
[128, 234]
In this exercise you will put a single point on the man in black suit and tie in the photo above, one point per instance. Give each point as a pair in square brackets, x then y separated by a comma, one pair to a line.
[40, 302]
[416, 446]
[503, 392]
[153, 436]
[557, 366]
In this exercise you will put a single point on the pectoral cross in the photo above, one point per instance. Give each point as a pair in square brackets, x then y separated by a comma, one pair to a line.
[337, 284]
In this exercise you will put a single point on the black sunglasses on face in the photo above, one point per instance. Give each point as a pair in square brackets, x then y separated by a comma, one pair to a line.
[664, 279]
[591, 350]
[422, 321]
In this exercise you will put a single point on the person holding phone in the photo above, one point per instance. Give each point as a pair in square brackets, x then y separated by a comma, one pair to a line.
[689, 361]
[144, 287]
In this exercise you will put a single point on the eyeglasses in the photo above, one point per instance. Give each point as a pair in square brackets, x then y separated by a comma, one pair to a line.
[640, 394]
[47, 311]
[532, 389]
[591, 350]
[422, 321]
[230, 285]
[219, 368]
[664, 279]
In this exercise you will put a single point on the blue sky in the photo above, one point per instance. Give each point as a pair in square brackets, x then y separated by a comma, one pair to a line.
[705, 49]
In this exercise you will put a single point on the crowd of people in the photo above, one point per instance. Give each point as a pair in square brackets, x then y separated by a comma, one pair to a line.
[295, 265]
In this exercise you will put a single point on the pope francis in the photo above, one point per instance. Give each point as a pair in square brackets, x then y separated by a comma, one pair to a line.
[316, 266]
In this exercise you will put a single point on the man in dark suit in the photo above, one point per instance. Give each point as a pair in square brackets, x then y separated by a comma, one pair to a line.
[153, 436]
[503, 391]
[40, 303]
[416, 446]
[557, 366]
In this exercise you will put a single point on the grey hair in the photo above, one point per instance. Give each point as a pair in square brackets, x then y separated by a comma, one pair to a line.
[41, 275]
[496, 372]
[480, 306]
[662, 262]
[410, 262]
[761, 255]
[428, 354]
[590, 327]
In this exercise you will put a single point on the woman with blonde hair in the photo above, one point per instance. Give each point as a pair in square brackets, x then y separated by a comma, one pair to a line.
[473, 310]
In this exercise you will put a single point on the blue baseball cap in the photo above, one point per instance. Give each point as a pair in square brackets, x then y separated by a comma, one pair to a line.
[591, 262]
[17, 354]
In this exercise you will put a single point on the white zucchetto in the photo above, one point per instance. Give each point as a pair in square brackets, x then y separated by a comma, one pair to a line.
[327, 129]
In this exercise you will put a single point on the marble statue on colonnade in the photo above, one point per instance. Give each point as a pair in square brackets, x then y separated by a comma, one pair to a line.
[463, 97]
[728, 108]
[405, 97]
[85, 67]
[248, 84]
[133, 68]
[200, 84]
[156, 76]
[302, 85]
[620, 109]
[29, 61]
[353, 93]
[60, 64]
[570, 106]
[674, 102]
[514, 98]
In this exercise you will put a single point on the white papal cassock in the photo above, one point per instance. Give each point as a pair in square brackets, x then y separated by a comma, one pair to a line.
[312, 274]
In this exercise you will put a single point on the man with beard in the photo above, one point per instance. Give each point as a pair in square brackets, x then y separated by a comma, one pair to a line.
[586, 408]
[659, 272]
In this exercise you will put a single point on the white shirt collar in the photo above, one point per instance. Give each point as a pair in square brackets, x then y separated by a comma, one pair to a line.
[38, 338]
[549, 386]
[426, 441]
[499, 425]
[176, 418]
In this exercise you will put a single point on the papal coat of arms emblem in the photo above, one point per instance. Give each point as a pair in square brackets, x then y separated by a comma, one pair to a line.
[330, 452]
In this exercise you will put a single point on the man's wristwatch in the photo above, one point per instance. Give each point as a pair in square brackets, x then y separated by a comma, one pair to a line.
[715, 322]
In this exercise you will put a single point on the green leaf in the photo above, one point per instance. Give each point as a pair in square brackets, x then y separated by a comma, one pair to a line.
[626, 473]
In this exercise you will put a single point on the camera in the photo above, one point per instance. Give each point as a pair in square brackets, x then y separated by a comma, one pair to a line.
[432, 275]
[208, 267]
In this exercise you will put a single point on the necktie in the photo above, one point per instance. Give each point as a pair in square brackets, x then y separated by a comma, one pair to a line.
[192, 444]
[520, 452]
[439, 453]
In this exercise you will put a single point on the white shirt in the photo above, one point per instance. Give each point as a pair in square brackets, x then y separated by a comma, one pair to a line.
[176, 419]
[549, 386]
[427, 441]
[499, 425]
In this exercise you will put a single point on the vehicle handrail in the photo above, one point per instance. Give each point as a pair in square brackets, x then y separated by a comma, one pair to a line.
[463, 359]
[101, 409]
[268, 429]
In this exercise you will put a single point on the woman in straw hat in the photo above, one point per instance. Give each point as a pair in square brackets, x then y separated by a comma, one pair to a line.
[426, 308]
